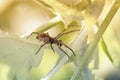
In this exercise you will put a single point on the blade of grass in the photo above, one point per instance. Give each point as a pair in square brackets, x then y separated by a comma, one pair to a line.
[94, 43]
[96, 61]
[104, 46]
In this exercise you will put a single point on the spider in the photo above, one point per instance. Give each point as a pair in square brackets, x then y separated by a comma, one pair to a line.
[47, 39]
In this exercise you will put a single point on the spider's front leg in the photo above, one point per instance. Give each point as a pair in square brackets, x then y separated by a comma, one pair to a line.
[52, 48]
[32, 34]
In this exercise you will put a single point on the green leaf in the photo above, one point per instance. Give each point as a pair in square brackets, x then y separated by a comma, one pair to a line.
[19, 55]
[105, 49]
[89, 1]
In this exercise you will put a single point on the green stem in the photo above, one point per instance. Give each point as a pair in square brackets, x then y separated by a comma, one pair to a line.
[51, 23]
[95, 41]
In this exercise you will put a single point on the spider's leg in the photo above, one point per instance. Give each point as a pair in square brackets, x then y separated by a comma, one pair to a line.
[64, 52]
[61, 34]
[69, 49]
[52, 48]
[39, 49]
[32, 34]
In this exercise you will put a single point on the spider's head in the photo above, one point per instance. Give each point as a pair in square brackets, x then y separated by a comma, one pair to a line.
[42, 36]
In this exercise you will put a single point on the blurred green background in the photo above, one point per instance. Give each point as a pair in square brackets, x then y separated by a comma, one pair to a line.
[20, 17]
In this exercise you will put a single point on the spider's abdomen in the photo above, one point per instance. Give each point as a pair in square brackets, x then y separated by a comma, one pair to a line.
[58, 42]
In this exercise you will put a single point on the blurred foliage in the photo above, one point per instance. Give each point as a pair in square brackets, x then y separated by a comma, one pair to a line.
[94, 61]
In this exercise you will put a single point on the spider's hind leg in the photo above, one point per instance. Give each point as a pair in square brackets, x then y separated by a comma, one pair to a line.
[52, 48]
[64, 52]
[69, 49]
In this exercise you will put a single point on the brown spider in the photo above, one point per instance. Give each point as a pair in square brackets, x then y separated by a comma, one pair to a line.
[53, 40]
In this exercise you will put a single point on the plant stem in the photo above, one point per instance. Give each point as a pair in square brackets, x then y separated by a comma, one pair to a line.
[95, 41]
[51, 23]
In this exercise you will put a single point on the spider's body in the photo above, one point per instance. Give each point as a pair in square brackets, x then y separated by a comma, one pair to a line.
[53, 40]
[48, 40]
